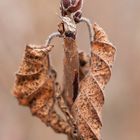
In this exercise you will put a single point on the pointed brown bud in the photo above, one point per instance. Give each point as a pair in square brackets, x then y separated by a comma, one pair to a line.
[77, 16]
[71, 6]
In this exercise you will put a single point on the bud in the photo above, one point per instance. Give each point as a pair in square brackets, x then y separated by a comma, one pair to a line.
[71, 6]
[77, 16]
[66, 3]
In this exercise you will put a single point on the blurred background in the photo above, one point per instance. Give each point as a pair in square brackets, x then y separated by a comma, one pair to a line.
[31, 21]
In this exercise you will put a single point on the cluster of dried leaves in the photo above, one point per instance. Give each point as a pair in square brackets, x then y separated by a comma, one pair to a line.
[81, 97]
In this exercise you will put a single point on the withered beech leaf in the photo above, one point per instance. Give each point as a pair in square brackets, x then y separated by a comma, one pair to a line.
[32, 75]
[88, 105]
[35, 87]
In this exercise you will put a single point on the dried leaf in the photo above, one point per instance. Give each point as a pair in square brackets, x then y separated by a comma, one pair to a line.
[32, 75]
[35, 87]
[88, 105]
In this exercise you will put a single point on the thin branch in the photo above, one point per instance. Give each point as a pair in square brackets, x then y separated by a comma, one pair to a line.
[90, 28]
[51, 37]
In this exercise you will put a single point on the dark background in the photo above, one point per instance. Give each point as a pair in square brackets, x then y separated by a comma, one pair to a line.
[31, 21]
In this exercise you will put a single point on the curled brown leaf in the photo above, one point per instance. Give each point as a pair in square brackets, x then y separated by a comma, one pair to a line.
[88, 105]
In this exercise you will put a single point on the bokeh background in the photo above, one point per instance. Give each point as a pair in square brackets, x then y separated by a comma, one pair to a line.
[31, 21]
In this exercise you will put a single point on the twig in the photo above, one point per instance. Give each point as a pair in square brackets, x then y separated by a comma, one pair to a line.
[90, 28]
[52, 36]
